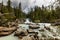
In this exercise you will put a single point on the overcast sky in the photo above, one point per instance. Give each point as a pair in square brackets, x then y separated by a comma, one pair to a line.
[27, 4]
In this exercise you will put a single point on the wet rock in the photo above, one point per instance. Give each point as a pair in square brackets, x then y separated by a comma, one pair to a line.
[27, 38]
[30, 31]
[42, 30]
[56, 39]
[43, 35]
[21, 33]
[4, 31]
[34, 27]
[47, 28]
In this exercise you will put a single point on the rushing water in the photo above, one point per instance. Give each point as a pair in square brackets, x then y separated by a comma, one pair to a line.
[26, 26]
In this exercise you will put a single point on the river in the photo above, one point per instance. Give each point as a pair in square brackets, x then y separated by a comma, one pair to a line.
[10, 37]
[25, 26]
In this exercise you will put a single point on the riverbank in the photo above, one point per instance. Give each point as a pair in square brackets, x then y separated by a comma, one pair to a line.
[5, 31]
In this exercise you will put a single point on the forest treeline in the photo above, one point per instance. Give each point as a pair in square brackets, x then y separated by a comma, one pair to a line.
[38, 14]
[44, 15]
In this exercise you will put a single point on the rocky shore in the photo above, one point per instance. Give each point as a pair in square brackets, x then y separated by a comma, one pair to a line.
[8, 27]
[41, 33]
[4, 31]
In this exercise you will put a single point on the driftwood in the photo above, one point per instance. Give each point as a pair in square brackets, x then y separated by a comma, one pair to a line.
[4, 31]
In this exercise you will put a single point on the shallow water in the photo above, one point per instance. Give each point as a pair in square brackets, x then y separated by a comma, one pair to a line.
[10, 37]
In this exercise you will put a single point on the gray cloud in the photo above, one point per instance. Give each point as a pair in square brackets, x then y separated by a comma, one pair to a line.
[27, 4]
[14, 3]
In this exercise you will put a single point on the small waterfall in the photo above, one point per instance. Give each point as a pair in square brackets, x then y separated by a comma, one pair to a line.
[28, 20]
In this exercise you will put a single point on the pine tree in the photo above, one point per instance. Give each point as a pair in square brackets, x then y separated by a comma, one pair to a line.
[9, 5]
[2, 7]
[20, 11]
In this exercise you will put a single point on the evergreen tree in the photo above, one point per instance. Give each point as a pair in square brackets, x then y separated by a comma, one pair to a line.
[18, 12]
[9, 6]
[58, 12]
[2, 8]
